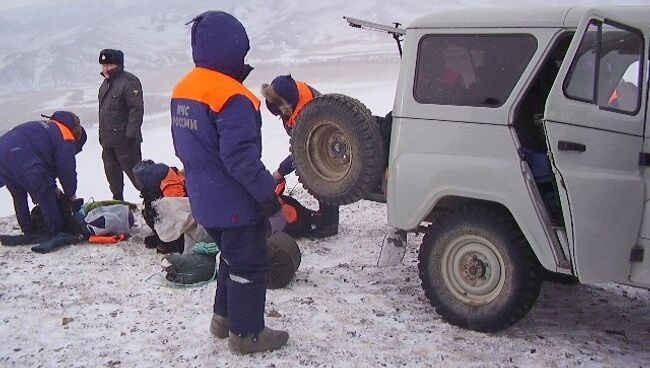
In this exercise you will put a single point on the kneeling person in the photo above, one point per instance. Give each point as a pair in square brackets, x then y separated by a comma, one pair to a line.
[32, 156]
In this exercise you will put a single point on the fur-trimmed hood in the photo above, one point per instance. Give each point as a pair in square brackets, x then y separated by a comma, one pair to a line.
[276, 103]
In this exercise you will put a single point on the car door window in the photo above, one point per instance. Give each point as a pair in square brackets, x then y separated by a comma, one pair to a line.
[607, 68]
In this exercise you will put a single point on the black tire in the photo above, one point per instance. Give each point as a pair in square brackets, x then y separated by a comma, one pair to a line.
[460, 254]
[289, 244]
[284, 259]
[337, 149]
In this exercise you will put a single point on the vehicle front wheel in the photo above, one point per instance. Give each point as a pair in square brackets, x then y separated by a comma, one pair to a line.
[477, 269]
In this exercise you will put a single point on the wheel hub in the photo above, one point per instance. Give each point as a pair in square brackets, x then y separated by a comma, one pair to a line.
[473, 270]
[328, 151]
[337, 147]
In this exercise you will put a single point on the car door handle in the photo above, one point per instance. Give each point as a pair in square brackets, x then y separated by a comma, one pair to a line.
[571, 146]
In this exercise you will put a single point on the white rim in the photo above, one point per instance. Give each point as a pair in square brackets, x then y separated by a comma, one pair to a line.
[473, 270]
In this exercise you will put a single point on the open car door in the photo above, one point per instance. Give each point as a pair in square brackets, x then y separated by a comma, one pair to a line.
[594, 122]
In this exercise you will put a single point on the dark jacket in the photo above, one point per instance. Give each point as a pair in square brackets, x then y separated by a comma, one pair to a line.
[216, 127]
[40, 146]
[121, 108]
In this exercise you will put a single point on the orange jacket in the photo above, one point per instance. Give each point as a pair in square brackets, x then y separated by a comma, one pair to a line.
[304, 96]
[173, 185]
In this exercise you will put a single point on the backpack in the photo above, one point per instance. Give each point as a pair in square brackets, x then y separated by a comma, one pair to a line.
[110, 220]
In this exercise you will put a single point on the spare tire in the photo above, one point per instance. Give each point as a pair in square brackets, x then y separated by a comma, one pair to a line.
[284, 259]
[337, 149]
[289, 244]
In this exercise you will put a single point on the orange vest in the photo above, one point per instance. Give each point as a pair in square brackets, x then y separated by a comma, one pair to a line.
[66, 132]
[173, 185]
[304, 96]
[212, 88]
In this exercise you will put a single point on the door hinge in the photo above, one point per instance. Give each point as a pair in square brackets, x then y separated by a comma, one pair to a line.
[644, 159]
[636, 255]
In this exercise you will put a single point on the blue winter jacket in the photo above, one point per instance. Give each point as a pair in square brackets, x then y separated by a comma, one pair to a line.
[40, 145]
[285, 87]
[216, 127]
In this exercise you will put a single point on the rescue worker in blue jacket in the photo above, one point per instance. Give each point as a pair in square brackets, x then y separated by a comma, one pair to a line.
[285, 97]
[216, 129]
[32, 156]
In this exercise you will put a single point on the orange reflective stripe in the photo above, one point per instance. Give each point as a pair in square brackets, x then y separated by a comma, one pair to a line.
[106, 239]
[66, 132]
[173, 185]
[212, 88]
[304, 96]
[290, 213]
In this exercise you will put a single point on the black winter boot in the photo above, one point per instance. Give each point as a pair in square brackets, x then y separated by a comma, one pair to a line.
[325, 222]
[176, 246]
[324, 231]
[152, 241]
[265, 340]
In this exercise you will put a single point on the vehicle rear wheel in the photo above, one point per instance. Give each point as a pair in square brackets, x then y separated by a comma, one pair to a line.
[477, 269]
[337, 149]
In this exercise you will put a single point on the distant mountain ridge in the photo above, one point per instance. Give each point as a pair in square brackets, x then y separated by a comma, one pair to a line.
[57, 44]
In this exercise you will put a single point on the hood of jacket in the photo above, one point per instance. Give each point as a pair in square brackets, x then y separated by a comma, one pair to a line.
[69, 119]
[220, 43]
[149, 174]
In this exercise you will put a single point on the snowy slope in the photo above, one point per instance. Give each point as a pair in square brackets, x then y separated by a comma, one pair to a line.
[90, 306]
[58, 44]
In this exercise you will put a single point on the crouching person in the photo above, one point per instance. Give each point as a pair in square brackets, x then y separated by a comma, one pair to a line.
[157, 181]
[285, 97]
[216, 129]
[32, 156]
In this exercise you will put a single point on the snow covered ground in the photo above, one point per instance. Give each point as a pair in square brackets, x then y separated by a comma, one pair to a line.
[90, 306]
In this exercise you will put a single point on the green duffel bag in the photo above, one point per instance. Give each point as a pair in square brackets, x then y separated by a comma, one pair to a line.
[195, 268]
[189, 268]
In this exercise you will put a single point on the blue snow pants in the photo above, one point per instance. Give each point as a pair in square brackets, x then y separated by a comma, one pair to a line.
[32, 179]
[241, 285]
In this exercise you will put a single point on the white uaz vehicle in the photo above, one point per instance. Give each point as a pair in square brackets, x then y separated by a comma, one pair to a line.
[520, 142]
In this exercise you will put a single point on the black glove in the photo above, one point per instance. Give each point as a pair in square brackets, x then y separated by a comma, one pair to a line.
[276, 219]
[76, 204]
[270, 207]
